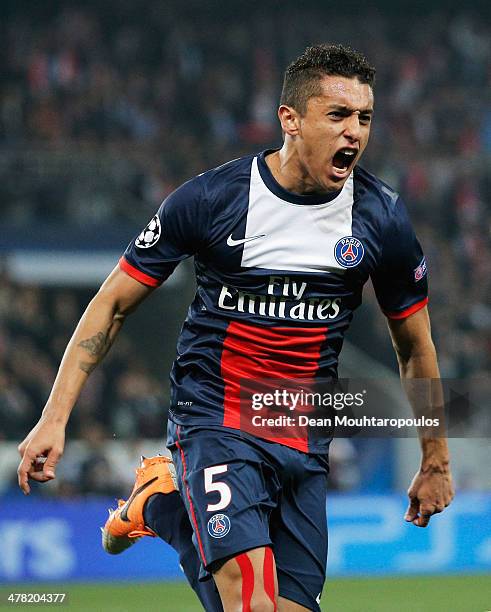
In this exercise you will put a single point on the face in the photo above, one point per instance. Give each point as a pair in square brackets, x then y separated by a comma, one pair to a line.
[331, 136]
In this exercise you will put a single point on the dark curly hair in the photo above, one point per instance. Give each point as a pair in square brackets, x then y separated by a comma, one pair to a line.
[302, 76]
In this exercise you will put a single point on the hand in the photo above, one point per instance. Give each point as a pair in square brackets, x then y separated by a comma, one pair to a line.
[430, 492]
[40, 452]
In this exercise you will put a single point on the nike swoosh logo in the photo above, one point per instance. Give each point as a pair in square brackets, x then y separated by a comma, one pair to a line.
[126, 507]
[231, 242]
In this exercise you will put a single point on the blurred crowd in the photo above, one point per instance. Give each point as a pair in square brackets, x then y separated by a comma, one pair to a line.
[122, 398]
[106, 108]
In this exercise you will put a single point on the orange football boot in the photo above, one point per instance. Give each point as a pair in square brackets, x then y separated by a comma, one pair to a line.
[126, 525]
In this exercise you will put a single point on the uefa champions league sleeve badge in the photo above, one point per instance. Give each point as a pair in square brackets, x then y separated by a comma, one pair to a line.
[150, 235]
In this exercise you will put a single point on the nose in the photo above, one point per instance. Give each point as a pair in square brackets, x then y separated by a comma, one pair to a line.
[352, 127]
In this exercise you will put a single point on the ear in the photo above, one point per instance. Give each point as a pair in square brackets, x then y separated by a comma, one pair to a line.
[289, 120]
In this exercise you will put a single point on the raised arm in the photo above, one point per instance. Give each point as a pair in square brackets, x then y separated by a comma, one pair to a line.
[42, 448]
[431, 489]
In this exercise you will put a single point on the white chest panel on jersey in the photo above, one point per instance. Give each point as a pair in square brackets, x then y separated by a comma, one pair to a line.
[295, 237]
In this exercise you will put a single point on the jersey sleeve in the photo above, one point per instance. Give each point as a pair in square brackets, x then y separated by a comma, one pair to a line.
[400, 280]
[176, 232]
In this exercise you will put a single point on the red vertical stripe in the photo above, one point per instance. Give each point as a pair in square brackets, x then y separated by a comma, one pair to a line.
[247, 572]
[256, 352]
[191, 507]
[268, 575]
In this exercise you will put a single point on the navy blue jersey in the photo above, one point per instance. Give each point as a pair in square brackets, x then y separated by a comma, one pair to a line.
[278, 278]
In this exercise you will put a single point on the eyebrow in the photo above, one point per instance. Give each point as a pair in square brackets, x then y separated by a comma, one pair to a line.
[347, 109]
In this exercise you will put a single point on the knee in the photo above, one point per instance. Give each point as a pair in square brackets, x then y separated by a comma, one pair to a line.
[233, 599]
[259, 603]
[262, 603]
[240, 584]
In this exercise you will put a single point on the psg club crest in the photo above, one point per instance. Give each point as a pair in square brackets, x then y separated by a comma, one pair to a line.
[150, 235]
[349, 252]
[219, 525]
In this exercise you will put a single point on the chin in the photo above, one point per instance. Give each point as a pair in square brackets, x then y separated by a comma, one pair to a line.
[335, 182]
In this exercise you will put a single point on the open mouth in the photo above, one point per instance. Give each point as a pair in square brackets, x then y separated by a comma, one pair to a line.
[344, 158]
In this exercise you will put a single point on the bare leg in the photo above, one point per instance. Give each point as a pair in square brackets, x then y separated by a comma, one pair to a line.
[247, 583]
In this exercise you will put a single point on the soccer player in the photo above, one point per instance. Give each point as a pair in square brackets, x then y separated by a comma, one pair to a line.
[283, 242]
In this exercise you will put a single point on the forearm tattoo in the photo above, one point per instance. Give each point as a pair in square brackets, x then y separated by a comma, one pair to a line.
[97, 347]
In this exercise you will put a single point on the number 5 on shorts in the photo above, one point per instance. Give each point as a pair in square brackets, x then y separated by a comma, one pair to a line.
[221, 487]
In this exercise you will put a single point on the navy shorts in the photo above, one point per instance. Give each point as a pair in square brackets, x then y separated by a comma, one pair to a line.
[242, 492]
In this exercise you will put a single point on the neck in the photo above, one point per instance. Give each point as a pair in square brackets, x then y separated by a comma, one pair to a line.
[290, 173]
